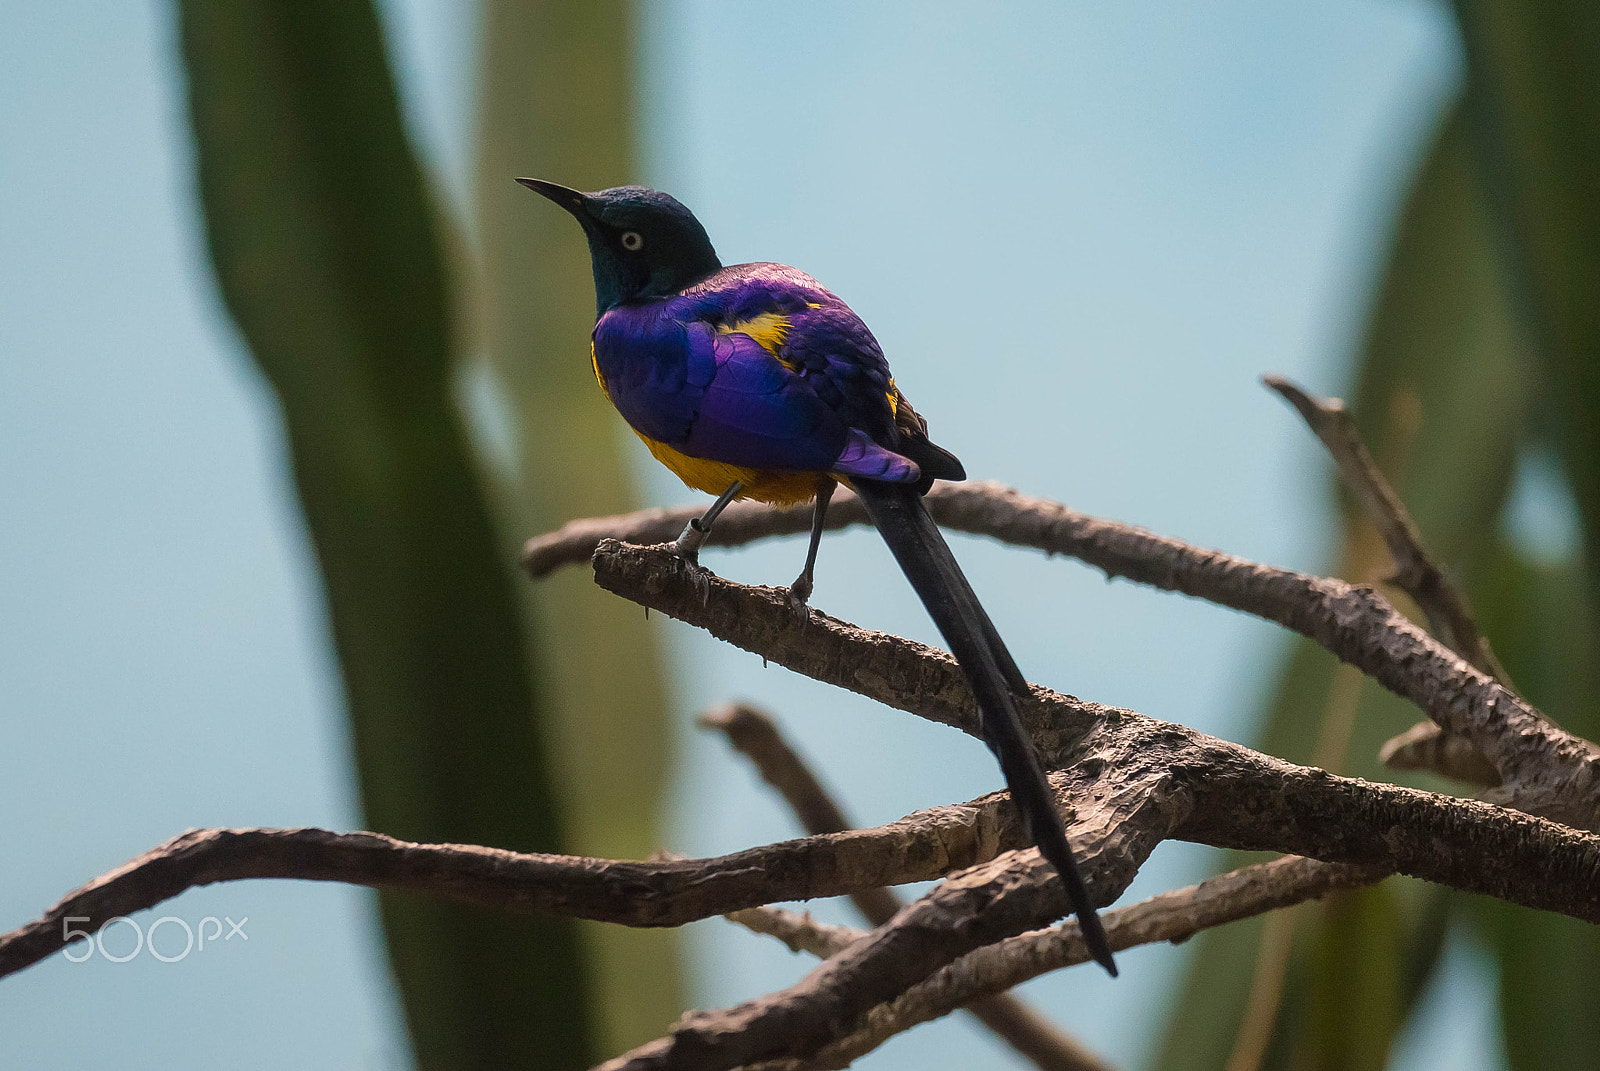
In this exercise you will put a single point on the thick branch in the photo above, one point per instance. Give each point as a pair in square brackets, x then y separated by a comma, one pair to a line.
[1238, 798]
[1114, 831]
[1545, 770]
[1133, 781]
[1173, 916]
[756, 736]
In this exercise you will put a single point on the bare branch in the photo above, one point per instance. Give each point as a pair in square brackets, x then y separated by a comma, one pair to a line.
[1173, 916]
[1039, 1039]
[757, 736]
[1424, 746]
[742, 522]
[1237, 798]
[1415, 572]
[1544, 769]
[798, 930]
[1138, 779]
[1016, 1018]
[921, 846]
[1114, 830]
[1133, 781]
[1192, 785]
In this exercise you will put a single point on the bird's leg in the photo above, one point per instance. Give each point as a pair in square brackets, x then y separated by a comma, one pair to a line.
[800, 590]
[695, 532]
[687, 546]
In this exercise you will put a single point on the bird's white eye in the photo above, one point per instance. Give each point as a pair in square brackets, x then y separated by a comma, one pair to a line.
[632, 241]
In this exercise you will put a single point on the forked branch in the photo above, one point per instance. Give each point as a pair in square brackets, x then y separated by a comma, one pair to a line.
[756, 736]
[1544, 770]
[1173, 916]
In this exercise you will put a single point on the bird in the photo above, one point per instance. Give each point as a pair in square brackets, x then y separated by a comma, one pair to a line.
[754, 381]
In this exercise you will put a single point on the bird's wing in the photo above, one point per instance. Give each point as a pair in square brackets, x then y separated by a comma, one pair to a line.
[714, 392]
[832, 349]
[823, 351]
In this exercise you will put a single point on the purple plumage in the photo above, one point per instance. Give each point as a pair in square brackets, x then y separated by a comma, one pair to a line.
[756, 382]
[761, 367]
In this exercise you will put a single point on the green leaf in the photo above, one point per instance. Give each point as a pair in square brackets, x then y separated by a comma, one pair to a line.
[326, 252]
[557, 103]
[1440, 398]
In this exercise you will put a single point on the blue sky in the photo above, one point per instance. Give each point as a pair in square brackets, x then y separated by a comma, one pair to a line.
[1080, 233]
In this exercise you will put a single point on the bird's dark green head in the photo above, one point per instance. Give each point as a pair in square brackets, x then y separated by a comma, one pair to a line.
[642, 242]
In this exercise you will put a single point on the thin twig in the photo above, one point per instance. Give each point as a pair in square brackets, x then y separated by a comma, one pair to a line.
[798, 929]
[755, 735]
[1424, 746]
[1415, 572]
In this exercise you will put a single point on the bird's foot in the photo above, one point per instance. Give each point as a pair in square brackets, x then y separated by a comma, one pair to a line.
[799, 595]
[687, 548]
[700, 579]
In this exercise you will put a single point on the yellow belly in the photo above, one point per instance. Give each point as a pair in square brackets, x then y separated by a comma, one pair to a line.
[715, 477]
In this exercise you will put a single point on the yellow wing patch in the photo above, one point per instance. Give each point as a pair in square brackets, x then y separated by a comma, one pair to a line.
[768, 329]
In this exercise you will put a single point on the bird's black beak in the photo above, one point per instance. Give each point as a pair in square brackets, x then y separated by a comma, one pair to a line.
[570, 199]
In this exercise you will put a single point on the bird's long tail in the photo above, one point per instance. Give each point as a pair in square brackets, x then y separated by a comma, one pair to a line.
[917, 544]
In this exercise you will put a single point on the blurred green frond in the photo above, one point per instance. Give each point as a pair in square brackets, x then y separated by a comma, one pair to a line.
[1533, 91]
[1441, 396]
[557, 103]
[327, 253]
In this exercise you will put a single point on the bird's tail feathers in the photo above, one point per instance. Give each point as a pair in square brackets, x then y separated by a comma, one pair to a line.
[918, 546]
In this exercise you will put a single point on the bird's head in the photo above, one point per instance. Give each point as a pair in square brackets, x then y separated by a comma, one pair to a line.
[642, 242]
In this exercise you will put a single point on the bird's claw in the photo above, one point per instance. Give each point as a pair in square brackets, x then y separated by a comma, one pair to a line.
[687, 549]
[699, 576]
[799, 593]
[699, 579]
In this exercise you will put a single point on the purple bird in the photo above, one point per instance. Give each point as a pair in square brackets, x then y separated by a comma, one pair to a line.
[755, 381]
